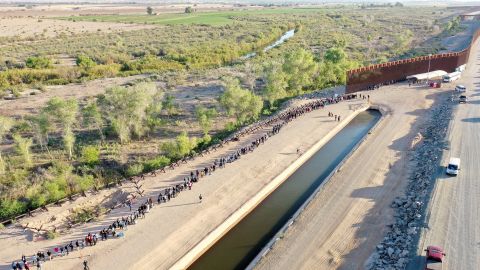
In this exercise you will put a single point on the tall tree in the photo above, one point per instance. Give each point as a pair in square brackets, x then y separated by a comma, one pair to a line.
[125, 108]
[149, 10]
[238, 102]
[205, 117]
[40, 126]
[300, 67]
[92, 117]
[64, 113]
[276, 82]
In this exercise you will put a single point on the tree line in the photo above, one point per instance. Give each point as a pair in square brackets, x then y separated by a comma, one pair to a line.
[67, 147]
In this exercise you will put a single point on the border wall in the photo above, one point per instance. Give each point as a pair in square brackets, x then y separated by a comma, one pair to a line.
[362, 78]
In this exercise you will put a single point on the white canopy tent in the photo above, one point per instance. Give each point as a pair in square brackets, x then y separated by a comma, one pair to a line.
[427, 75]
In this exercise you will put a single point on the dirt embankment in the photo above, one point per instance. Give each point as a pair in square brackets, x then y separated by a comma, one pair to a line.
[343, 224]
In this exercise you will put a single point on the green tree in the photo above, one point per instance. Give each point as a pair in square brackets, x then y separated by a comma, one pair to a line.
[182, 146]
[169, 105]
[125, 108]
[64, 113]
[205, 118]
[22, 147]
[92, 117]
[40, 125]
[238, 102]
[335, 55]
[276, 82]
[300, 67]
[149, 10]
[38, 62]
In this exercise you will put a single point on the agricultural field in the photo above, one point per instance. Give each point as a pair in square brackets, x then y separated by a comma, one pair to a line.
[86, 109]
[209, 18]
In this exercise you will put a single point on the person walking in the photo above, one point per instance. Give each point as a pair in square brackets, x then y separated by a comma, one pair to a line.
[85, 265]
[200, 198]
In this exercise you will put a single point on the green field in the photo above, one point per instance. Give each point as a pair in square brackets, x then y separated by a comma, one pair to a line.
[208, 18]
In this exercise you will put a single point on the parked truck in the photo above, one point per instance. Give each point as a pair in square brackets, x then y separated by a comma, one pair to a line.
[434, 258]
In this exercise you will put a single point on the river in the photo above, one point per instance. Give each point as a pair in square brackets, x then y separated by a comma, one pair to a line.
[279, 41]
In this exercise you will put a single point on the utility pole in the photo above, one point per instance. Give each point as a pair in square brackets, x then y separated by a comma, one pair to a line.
[428, 71]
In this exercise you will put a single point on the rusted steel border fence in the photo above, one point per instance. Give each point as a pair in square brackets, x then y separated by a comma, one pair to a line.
[386, 73]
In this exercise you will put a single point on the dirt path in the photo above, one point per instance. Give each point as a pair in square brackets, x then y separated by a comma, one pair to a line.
[170, 230]
[342, 225]
[454, 212]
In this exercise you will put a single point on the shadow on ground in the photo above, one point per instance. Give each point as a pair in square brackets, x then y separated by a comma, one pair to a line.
[367, 237]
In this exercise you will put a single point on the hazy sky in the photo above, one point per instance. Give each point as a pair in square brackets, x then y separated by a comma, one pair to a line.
[226, 1]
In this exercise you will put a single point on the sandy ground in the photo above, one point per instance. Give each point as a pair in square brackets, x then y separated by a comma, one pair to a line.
[170, 230]
[453, 213]
[347, 218]
[90, 9]
[32, 103]
[41, 28]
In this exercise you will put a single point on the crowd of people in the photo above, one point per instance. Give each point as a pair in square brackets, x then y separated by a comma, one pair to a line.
[119, 226]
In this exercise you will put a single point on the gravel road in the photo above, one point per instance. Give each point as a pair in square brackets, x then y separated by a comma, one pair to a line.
[454, 214]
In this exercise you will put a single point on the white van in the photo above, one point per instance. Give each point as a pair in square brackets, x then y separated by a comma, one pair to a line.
[453, 166]
[452, 76]
[460, 88]
[461, 68]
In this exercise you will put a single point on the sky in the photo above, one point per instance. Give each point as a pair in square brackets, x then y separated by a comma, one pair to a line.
[229, 1]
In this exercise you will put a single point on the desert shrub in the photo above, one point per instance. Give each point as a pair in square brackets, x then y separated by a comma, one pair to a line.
[180, 147]
[102, 71]
[90, 155]
[38, 62]
[156, 163]
[52, 235]
[152, 64]
[85, 62]
[134, 169]
[10, 208]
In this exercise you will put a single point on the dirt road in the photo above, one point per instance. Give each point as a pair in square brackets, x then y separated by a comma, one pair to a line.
[342, 225]
[454, 213]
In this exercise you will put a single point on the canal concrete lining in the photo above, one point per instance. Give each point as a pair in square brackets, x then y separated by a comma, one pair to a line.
[383, 111]
[216, 234]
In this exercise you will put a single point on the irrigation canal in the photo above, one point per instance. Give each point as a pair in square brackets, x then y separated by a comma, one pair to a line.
[245, 241]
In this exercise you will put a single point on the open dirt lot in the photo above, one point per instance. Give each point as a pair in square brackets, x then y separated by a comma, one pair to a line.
[170, 230]
[343, 224]
[25, 27]
[84, 9]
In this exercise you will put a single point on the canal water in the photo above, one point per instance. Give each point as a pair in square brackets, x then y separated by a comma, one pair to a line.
[279, 41]
[243, 242]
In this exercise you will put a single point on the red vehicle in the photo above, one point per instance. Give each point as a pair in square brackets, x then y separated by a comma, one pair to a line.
[435, 256]
[435, 84]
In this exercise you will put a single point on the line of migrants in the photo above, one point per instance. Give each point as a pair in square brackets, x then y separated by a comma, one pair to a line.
[117, 228]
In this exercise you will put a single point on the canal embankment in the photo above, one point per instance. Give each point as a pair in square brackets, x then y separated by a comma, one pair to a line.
[253, 202]
[341, 226]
